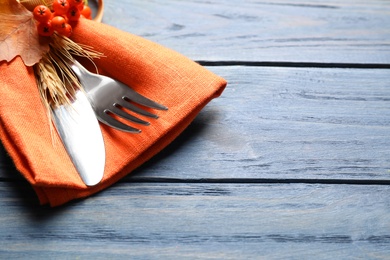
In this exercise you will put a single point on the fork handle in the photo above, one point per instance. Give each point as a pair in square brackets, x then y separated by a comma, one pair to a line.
[77, 68]
[82, 74]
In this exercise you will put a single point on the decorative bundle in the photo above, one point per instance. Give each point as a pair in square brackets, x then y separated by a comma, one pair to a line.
[57, 83]
[50, 22]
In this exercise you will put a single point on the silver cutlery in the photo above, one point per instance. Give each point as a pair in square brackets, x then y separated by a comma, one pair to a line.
[81, 135]
[110, 98]
[77, 124]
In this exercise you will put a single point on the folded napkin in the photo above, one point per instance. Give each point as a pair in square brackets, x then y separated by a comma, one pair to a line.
[154, 71]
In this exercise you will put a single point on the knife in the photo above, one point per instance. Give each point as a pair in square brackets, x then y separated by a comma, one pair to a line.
[80, 133]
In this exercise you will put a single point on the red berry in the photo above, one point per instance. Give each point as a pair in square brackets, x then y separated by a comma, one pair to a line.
[58, 23]
[76, 2]
[60, 6]
[66, 30]
[74, 14]
[62, 15]
[89, 17]
[80, 6]
[42, 13]
[45, 28]
[82, 16]
[86, 12]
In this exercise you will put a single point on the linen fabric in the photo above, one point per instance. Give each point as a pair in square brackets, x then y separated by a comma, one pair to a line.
[151, 69]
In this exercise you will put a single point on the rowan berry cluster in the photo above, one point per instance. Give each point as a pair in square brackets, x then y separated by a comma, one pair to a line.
[63, 13]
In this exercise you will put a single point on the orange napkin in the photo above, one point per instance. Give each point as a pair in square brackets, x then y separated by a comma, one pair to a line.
[155, 71]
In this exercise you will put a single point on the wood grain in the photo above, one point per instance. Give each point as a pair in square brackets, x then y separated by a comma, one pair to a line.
[291, 162]
[285, 123]
[283, 30]
[229, 221]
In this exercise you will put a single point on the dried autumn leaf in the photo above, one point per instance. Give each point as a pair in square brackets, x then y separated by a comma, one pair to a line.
[18, 34]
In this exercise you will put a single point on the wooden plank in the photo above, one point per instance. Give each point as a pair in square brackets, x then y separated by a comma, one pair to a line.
[219, 221]
[283, 30]
[283, 123]
[287, 123]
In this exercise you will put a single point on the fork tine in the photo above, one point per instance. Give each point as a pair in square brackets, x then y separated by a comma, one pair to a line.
[138, 98]
[104, 91]
[126, 104]
[108, 120]
[117, 111]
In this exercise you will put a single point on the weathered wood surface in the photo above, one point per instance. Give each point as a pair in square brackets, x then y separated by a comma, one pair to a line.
[292, 161]
[213, 221]
[287, 123]
[350, 31]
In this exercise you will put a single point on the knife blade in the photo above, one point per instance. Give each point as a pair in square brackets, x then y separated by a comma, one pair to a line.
[81, 135]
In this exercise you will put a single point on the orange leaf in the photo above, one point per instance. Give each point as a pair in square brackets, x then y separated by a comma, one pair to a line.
[19, 35]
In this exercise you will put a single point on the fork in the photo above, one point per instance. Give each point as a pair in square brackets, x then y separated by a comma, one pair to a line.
[110, 98]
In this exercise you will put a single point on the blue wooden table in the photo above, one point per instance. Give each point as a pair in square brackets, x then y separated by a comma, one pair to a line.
[291, 162]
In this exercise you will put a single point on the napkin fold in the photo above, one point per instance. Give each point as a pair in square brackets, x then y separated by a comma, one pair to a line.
[151, 69]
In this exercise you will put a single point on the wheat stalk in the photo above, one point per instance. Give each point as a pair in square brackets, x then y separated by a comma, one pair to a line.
[51, 88]
[57, 84]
